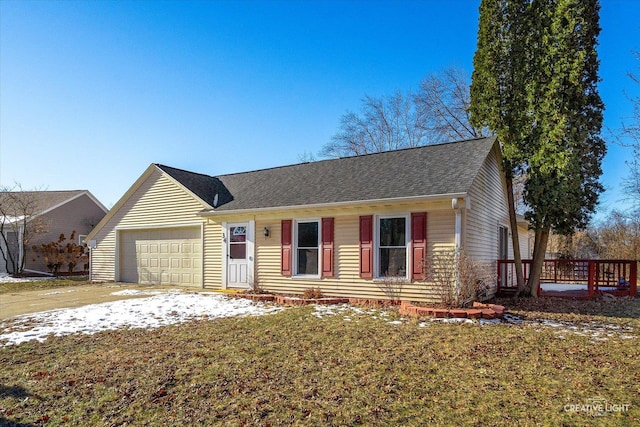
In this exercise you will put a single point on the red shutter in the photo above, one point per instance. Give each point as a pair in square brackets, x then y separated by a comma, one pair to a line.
[285, 240]
[327, 247]
[418, 244]
[366, 247]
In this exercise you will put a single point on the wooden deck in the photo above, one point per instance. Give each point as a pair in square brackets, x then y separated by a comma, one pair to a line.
[578, 279]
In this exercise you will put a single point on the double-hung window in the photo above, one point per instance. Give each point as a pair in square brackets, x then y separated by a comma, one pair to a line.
[392, 246]
[307, 250]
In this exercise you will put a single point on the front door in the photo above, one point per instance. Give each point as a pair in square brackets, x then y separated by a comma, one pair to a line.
[237, 260]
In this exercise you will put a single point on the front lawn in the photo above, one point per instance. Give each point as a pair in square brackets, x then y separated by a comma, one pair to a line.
[298, 367]
[7, 287]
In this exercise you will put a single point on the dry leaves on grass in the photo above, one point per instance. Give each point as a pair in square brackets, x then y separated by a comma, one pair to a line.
[293, 368]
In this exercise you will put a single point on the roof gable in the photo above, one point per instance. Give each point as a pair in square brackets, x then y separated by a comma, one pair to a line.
[207, 188]
[46, 201]
[431, 170]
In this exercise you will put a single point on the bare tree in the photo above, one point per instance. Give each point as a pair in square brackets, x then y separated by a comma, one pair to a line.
[618, 236]
[18, 225]
[631, 133]
[383, 124]
[443, 102]
[436, 112]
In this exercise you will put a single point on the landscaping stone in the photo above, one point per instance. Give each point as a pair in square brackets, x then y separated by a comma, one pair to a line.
[474, 313]
[458, 313]
[479, 310]
[488, 313]
[440, 313]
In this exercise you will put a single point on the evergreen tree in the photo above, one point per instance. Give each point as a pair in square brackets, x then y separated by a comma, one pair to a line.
[535, 85]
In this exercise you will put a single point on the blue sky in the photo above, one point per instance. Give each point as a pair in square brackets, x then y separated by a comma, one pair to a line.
[92, 92]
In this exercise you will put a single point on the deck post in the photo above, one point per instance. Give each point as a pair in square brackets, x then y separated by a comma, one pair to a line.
[590, 280]
[633, 279]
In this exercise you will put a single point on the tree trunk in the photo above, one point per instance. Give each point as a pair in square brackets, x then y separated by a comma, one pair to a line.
[515, 238]
[539, 251]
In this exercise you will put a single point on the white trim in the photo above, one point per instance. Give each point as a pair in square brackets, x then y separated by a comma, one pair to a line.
[202, 279]
[251, 252]
[355, 203]
[376, 244]
[458, 229]
[295, 247]
[225, 255]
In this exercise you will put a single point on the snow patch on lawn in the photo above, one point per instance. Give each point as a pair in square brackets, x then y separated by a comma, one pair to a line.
[60, 292]
[596, 331]
[6, 278]
[163, 309]
[136, 292]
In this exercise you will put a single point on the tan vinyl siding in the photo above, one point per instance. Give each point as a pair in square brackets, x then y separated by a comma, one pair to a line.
[346, 281]
[157, 202]
[488, 211]
[525, 239]
[213, 255]
[80, 215]
[487, 214]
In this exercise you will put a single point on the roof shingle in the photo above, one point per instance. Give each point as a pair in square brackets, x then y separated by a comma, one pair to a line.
[424, 171]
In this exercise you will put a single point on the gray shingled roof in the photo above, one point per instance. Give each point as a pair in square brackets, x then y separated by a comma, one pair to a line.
[424, 171]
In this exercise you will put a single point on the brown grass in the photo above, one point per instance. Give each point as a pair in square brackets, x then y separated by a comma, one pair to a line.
[295, 369]
[36, 285]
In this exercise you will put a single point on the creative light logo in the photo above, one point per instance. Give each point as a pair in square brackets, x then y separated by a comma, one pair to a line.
[596, 406]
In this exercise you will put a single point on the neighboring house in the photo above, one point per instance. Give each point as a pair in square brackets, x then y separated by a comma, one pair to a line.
[57, 212]
[340, 225]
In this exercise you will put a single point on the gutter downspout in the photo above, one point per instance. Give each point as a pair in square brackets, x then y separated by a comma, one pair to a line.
[458, 204]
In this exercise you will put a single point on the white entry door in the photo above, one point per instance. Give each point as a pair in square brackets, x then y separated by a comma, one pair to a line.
[237, 256]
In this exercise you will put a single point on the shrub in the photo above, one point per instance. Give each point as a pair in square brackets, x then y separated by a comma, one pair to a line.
[457, 279]
[312, 293]
[59, 254]
[391, 286]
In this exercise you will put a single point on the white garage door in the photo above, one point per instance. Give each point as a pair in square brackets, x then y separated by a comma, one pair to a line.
[171, 256]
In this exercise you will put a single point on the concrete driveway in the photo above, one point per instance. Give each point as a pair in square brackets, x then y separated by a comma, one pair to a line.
[16, 303]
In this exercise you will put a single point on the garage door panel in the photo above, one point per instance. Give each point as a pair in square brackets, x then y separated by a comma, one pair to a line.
[162, 256]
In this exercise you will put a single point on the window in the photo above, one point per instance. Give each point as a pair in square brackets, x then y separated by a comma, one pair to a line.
[392, 247]
[307, 247]
[503, 242]
[238, 242]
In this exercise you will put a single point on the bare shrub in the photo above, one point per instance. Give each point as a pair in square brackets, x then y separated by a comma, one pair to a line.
[255, 287]
[391, 286]
[458, 279]
[312, 293]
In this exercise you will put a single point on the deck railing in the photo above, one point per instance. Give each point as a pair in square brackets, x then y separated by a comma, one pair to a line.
[599, 275]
